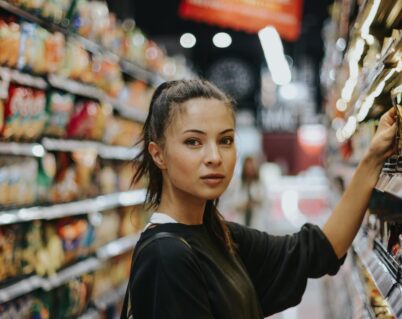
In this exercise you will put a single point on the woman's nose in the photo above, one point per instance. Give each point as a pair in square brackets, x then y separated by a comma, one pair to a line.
[213, 155]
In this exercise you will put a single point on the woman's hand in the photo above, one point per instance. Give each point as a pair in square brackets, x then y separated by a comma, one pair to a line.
[382, 145]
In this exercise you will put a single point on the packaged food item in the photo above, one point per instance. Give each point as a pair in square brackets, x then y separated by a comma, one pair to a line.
[108, 180]
[10, 257]
[77, 63]
[46, 175]
[107, 228]
[122, 132]
[88, 121]
[107, 75]
[56, 10]
[125, 173]
[64, 187]
[154, 57]
[91, 19]
[60, 107]
[137, 95]
[85, 164]
[54, 51]
[33, 243]
[134, 43]
[72, 299]
[32, 48]
[18, 181]
[16, 108]
[72, 231]
[24, 113]
[36, 120]
[132, 220]
[10, 34]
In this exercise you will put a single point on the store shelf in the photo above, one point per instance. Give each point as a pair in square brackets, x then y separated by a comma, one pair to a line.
[141, 73]
[69, 273]
[382, 276]
[384, 271]
[24, 149]
[22, 78]
[117, 247]
[390, 183]
[20, 288]
[110, 298]
[103, 150]
[128, 67]
[99, 203]
[75, 87]
[361, 293]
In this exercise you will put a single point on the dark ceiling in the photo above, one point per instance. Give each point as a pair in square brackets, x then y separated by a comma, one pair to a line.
[160, 21]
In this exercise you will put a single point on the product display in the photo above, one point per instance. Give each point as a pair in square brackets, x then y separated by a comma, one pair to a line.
[362, 75]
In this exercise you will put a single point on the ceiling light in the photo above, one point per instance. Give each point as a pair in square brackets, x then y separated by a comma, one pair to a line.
[273, 51]
[188, 40]
[222, 40]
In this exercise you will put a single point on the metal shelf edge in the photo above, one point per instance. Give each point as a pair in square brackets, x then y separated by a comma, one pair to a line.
[117, 247]
[100, 203]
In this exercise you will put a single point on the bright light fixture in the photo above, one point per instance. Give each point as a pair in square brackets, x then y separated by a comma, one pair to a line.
[222, 40]
[188, 40]
[273, 51]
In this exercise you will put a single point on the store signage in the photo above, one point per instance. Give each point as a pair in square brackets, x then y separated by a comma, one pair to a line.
[247, 15]
[280, 119]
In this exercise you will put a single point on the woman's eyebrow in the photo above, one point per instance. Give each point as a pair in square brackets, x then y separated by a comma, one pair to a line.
[229, 130]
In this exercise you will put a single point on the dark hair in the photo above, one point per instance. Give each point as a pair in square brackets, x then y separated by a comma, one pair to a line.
[165, 103]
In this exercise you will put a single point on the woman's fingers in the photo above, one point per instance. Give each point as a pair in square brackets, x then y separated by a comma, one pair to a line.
[388, 118]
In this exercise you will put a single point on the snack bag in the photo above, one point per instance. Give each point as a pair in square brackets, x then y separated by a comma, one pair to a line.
[16, 110]
[9, 42]
[60, 107]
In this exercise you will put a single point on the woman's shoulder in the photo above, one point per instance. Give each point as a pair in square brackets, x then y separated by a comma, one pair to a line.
[156, 245]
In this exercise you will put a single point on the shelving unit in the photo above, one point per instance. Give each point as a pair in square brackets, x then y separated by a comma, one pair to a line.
[361, 77]
[110, 250]
[84, 206]
[10, 75]
[110, 170]
[128, 67]
[111, 297]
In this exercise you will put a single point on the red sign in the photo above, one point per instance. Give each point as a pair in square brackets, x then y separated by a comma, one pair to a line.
[247, 15]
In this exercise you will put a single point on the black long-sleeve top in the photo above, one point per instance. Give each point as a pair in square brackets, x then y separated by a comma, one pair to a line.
[268, 274]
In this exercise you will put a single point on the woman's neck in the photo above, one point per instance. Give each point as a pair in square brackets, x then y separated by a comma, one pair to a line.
[182, 207]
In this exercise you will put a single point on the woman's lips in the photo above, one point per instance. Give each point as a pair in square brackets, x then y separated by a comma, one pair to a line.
[213, 179]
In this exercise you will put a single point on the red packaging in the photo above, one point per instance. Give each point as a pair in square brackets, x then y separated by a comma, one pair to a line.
[87, 121]
[16, 109]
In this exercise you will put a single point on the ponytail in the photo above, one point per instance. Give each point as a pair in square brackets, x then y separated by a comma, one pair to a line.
[216, 226]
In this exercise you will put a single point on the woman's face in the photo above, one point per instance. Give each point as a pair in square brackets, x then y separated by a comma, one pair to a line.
[199, 151]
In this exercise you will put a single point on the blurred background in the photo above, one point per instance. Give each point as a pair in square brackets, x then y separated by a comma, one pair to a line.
[310, 77]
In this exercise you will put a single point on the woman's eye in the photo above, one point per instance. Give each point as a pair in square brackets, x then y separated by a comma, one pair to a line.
[227, 140]
[192, 142]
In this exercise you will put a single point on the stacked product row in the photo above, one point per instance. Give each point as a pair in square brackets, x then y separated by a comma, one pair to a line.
[75, 85]
[362, 75]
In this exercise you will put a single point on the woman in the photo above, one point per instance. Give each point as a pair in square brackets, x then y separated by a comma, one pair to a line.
[189, 263]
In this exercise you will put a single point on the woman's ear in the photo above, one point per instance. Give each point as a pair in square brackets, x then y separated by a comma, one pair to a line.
[157, 155]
